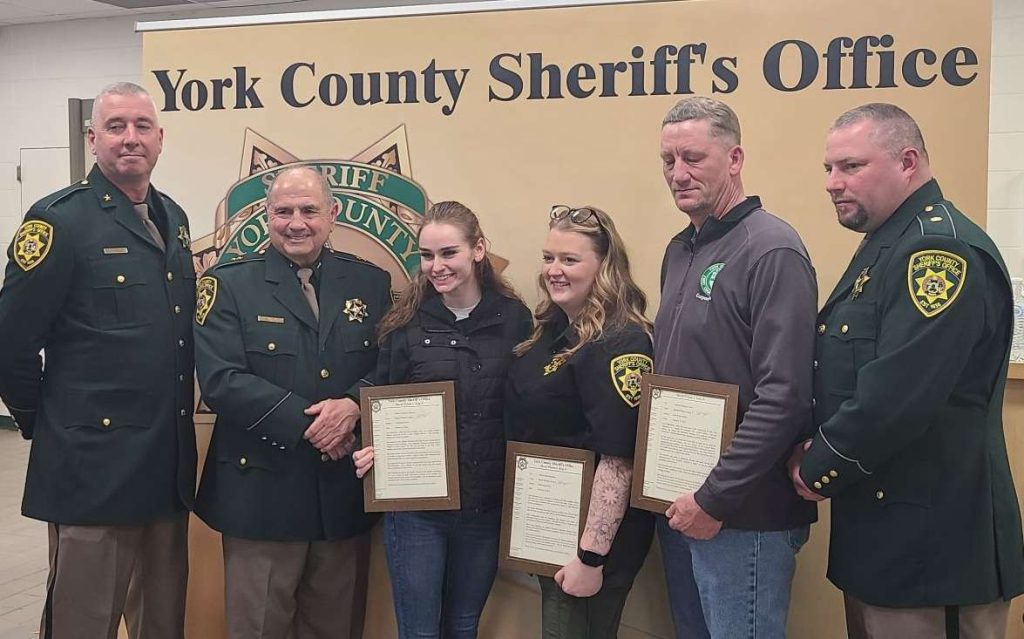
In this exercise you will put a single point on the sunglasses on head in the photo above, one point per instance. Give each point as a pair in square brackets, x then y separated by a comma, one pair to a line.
[576, 216]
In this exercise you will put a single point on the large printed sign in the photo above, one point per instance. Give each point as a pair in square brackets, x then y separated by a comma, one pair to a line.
[511, 112]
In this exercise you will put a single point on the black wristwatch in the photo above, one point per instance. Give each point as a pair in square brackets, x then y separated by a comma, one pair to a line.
[591, 559]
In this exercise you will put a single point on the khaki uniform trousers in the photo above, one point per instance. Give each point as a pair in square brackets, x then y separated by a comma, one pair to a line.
[985, 621]
[296, 590]
[99, 573]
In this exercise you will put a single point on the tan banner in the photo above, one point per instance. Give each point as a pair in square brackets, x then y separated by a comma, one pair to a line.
[513, 111]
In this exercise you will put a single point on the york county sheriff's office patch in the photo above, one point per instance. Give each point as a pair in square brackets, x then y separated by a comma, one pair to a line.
[626, 371]
[206, 295]
[32, 244]
[935, 279]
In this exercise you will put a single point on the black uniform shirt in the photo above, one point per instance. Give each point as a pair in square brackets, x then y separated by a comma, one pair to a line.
[588, 401]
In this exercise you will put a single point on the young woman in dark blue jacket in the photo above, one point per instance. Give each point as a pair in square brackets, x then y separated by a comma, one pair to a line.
[458, 320]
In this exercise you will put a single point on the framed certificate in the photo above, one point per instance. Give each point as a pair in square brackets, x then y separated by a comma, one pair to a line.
[684, 426]
[547, 497]
[415, 456]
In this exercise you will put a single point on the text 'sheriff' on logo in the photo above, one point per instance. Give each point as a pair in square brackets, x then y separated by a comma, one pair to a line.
[935, 279]
[626, 371]
[381, 207]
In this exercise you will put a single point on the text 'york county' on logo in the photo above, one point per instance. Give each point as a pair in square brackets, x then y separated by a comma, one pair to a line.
[935, 279]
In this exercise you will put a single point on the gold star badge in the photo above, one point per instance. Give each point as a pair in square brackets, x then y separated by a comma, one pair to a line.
[933, 286]
[934, 279]
[355, 310]
[858, 286]
[32, 244]
[629, 381]
[186, 241]
[552, 366]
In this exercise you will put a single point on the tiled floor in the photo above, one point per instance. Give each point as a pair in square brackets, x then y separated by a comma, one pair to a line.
[22, 547]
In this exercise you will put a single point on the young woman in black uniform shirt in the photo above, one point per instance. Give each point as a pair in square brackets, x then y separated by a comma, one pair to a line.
[576, 382]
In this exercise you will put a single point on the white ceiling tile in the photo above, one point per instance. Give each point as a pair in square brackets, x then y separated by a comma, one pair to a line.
[62, 7]
[11, 12]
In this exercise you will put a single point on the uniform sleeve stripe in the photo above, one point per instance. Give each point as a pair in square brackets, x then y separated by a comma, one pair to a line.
[852, 461]
[267, 414]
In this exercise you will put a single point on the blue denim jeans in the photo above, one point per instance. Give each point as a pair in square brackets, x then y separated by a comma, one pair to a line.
[684, 600]
[442, 565]
[744, 579]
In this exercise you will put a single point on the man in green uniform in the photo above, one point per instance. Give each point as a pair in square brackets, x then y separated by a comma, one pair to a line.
[101, 279]
[911, 359]
[282, 338]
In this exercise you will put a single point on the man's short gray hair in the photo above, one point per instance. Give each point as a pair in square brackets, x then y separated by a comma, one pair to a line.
[118, 88]
[723, 120]
[321, 180]
[895, 130]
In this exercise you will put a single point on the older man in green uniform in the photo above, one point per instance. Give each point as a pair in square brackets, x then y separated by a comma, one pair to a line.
[911, 361]
[282, 338]
[100, 278]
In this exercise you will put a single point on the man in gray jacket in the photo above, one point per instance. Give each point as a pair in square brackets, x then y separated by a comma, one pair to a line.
[738, 306]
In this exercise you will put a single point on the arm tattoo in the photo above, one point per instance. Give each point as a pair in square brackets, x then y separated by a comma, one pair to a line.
[609, 499]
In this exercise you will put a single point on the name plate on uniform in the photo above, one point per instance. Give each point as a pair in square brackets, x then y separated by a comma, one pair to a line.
[547, 496]
[684, 426]
[415, 456]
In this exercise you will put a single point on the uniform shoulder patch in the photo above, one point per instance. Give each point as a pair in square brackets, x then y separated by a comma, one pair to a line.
[206, 295]
[32, 244]
[626, 370]
[935, 279]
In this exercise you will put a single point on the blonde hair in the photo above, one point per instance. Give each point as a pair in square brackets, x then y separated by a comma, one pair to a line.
[614, 300]
[461, 217]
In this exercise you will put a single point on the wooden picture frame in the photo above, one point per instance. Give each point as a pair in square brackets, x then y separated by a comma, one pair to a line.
[550, 462]
[651, 389]
[408, 399]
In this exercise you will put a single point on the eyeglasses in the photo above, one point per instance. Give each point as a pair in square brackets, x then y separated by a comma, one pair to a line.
[577, 216]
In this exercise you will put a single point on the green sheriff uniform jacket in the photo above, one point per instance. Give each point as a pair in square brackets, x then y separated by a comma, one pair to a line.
[262, 360]
[911, 361]
[110, 413]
